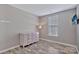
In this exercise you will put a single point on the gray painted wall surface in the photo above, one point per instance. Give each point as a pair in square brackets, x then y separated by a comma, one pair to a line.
[19, 21]
[66, 31]
[77, 28]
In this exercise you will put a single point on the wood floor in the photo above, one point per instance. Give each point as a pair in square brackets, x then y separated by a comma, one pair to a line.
[43, 47]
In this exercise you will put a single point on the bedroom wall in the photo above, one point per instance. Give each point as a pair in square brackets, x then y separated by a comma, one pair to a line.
[2, 27]
[66, 31]
[77, 33]
[19, 21]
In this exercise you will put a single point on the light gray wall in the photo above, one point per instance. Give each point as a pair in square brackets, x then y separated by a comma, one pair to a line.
[77, 32]
[20, 21]
[67, 31]
[2, 27]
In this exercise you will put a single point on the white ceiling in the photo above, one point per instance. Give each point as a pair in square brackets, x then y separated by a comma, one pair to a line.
[43, 9]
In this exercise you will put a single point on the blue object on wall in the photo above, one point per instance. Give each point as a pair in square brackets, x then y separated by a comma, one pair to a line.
[74, 19]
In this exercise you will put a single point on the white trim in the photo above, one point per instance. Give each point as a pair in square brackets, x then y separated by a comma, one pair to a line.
[9, 49]
[61, 43]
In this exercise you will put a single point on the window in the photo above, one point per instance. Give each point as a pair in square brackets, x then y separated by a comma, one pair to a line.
[53, 25]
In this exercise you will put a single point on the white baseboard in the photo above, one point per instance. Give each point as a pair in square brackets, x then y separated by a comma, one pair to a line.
[61, 43]
[9, 49]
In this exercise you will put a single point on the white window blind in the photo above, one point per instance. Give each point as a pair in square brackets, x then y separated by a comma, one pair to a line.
[53, 25]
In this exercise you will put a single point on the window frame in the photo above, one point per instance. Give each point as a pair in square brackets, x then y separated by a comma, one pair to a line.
[51, 25]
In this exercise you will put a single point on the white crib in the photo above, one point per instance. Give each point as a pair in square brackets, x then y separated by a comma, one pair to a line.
[28, 38]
